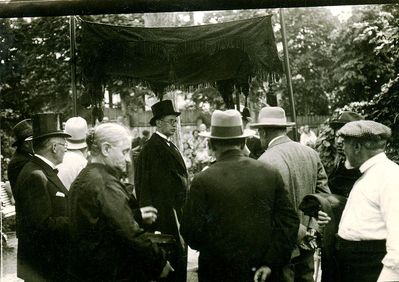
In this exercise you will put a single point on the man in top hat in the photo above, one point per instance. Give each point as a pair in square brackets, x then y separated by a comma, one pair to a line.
[368, 235]
[302, 172]
[42, 204]
[341, 178]
[22, 132]
[161, 181]
[238, 214]
[75, 157]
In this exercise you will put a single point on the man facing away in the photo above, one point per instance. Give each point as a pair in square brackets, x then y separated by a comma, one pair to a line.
[302, 172]
[41, 202]
[367, 245]
[161, 181]
[23, 153]
[75, 157]
[238, 215]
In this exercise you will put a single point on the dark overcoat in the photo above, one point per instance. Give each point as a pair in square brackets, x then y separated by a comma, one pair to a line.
[17, 162]
[107, 243]
[161, 181]
[41, 202]
[239, 217]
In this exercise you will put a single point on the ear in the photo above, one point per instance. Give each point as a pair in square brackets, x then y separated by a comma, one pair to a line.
[357, 147]
[105, 148]
[53, 148]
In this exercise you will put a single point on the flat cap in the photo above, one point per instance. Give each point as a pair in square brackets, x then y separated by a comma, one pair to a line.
[365, 129]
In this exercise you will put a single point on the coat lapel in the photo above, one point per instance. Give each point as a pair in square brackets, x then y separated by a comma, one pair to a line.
[50, 173]
[174, 151]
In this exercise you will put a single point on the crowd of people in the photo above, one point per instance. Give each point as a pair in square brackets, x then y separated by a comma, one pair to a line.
[256, 209]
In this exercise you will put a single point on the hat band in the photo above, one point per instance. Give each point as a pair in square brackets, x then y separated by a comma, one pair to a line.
[76, 141]
[224, 131]
[281, 121]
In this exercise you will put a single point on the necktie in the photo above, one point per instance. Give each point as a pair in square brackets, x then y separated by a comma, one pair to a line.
[55, 170]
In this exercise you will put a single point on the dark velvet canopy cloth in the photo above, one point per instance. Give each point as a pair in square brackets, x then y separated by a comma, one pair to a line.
[181, 56]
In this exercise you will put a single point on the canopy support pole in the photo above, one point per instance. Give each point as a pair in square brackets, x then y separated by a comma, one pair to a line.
[72, 39]
[288, 74]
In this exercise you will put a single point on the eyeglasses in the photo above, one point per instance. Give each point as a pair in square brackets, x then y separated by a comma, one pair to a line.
[62, 144]
[170, 121]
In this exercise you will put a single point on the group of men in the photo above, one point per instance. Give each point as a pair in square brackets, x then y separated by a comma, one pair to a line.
[242, 215]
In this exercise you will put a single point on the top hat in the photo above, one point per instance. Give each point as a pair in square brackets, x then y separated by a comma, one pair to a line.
[227, 125]
[161, 109]
[47, 125]
[345, 117]
[22, 130]
[77, 128]
[272, 117]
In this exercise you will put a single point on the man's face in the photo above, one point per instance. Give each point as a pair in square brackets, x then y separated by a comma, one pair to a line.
[350, 151]
[167, 125]
[339, 143]
[119, 154]
[59, 146]
[264, 138]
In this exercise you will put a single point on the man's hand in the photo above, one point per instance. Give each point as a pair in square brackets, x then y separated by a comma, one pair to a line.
[149, 214]
[323, 219]
[262, 274]
[166, 270]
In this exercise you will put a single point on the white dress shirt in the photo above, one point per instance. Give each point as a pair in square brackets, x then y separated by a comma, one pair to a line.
[372, 211]
[73, 162]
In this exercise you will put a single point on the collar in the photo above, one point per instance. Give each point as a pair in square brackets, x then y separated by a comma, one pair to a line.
[50, 163]
[230, 153]
[274, 139]
[162, 135]
[372, 161]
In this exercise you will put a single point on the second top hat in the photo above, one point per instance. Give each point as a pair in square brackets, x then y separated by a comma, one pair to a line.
[47, 125]
[161, 109]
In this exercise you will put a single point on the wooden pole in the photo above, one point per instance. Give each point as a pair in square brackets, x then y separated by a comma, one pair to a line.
[72, 39]
[288, 74]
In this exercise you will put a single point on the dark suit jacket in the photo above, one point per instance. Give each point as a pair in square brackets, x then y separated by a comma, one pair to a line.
[42, 224]
[161, 181]
[18, 161]
[239, 217]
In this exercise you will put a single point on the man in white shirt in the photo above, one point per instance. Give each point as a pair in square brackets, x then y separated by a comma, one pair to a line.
[368, 235]
[75, 157]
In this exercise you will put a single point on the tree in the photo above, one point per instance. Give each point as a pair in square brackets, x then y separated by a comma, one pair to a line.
[366, 52]
[308, 34]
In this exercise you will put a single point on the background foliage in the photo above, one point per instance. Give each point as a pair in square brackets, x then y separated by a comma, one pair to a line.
[350, 64]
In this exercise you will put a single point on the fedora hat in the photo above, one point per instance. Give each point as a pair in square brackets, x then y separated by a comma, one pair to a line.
[344, 118]
[227, 125]
[77, 128]
[22, 130]
[47, 125]
[272, 117]
[161, 109]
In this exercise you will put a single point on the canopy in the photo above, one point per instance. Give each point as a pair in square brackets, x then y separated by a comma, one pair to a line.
[230, 52]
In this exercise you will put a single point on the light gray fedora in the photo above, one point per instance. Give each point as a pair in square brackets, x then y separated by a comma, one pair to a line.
[227, 125]
[272, 117]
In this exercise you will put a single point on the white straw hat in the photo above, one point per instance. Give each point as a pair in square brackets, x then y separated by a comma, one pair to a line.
[77, 128]
[272, 117]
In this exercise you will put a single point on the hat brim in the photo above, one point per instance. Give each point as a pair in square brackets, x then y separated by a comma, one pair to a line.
[76, 146]
[153, 119]
[52, 134]
[257, 125]
[18, 142]
[246, 133]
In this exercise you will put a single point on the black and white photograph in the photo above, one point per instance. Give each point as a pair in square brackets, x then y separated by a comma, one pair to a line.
[199, 141]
